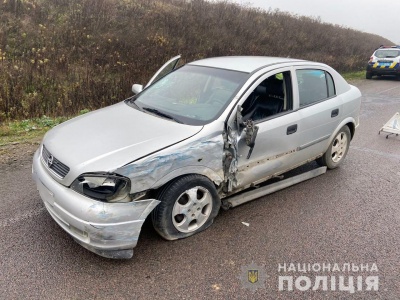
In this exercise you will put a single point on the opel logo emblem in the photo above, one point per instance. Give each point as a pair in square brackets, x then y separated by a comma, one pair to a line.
[50, 161]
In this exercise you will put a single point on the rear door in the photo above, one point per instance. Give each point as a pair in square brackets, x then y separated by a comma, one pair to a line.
[319, 108]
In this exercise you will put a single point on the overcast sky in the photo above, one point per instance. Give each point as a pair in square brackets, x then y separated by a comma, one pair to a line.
[381, 17]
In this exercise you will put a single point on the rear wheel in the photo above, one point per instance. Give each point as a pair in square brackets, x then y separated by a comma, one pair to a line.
[337, 150]
[188, 205]
[368, 75]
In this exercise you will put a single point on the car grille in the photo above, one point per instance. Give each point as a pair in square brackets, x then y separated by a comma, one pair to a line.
[53, 163]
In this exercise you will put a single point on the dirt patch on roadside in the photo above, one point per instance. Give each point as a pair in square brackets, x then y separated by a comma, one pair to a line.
[17, 154]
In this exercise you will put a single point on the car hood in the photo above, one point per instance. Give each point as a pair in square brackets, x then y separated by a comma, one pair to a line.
[109, 138]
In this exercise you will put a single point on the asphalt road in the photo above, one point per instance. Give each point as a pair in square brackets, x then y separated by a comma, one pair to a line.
[349, 215]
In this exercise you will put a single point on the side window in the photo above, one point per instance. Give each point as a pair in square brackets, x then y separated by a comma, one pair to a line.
[272, 96]
[331, 85]
[314, 86]
[168, 69]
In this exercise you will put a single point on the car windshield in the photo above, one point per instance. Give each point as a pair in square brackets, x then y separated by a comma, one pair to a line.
[191, 95]
[387, 53]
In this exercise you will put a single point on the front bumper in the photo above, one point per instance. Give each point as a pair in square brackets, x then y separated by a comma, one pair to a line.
[108, 229]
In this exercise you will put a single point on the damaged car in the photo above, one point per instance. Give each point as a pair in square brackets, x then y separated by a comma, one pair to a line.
[198, 137]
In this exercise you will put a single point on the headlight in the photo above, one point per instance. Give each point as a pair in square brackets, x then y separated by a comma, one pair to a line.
[103, 187]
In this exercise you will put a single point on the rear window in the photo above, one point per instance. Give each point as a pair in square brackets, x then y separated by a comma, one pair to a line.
[387, 53]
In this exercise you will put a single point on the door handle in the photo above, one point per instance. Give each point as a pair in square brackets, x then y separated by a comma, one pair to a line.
[335, 113]
[291, 129]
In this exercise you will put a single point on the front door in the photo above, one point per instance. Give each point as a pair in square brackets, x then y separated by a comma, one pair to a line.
[269, 103]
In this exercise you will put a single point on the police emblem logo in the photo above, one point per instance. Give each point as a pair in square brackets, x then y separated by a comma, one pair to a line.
[253, 276]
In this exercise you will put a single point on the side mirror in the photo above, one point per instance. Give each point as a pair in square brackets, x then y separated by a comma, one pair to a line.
[137, 88]
[251, 134]
[250, 129]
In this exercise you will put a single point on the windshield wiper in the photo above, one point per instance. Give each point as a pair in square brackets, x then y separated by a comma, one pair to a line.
[161, 114]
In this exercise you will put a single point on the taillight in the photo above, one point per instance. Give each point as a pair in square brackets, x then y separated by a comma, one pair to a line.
[370, 59]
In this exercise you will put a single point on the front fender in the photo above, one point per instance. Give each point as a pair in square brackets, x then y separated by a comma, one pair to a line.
[203, 156]
[217, 178]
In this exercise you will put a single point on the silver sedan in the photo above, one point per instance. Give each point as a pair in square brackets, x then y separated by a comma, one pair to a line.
[197, 137]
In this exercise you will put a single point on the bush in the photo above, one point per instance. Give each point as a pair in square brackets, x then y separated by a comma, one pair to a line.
[61, 57]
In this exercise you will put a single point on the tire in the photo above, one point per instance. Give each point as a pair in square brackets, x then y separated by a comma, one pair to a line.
[337, 150]
[188, 205]
[368, 75]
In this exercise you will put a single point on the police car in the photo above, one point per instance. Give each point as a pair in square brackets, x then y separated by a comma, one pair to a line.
[384, 61]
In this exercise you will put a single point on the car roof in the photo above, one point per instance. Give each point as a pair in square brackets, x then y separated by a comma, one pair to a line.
[386, 49]
[247, 64]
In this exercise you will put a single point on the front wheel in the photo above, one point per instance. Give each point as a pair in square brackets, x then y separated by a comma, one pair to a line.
[337, 150]
[368, 76]
[188, 205]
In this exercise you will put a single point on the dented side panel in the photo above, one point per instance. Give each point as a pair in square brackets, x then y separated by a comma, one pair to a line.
[274, 150]
[199, 155]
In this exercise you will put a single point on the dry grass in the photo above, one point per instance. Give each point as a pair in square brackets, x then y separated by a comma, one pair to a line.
[58, 57]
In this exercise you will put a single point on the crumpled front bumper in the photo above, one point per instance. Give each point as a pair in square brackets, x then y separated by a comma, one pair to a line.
[107, 229]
